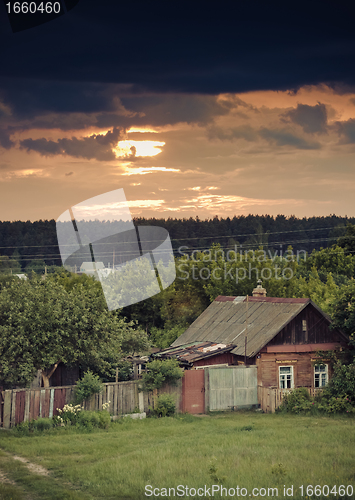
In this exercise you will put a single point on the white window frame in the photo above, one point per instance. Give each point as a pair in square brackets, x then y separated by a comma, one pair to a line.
[316, 372]
[282, 379]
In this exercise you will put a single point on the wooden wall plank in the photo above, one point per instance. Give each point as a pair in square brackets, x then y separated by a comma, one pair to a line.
[27, 403]
[7, 409]
[51, 403]
[115, 399]
[120, 400]
[46, 404]
[59, 400]
[13, 408]
[36, 400]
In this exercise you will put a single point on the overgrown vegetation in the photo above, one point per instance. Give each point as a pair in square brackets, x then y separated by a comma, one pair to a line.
[165, 406]
[70, 416]
[87, 386]
[300, 401]
[160, 372]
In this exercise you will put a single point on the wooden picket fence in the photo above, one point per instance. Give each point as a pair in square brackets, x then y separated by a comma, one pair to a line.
[21, 405]
[271, 398]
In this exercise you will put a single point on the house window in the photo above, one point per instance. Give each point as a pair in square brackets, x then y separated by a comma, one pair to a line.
[286, 377]
[320, 375]
[304, 325]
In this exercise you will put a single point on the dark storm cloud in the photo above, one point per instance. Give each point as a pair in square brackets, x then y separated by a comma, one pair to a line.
[346, 131]
[28, 111]
[313, 119]
[98, 146]
[283, 138]
[274, 137]
[28, 98]
[173, 108]
[204, 47]
[5, 140]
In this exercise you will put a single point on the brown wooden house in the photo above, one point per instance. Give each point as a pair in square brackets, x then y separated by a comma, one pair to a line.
[281, 336]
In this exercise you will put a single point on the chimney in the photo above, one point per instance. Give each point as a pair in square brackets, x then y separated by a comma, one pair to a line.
[259, 291]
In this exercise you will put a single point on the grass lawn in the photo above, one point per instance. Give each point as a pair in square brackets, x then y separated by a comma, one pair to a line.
[242, 449]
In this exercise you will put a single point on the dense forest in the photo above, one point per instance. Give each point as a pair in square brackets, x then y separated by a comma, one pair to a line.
[30, 244]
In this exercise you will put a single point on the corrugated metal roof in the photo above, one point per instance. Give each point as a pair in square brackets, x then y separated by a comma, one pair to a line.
[192, 352]
[224, 321]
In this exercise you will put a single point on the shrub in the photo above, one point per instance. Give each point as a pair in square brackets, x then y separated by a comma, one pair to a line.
[334, 404]
[299, 401]
[90, 419]
[88, 385]
[165, 406]
[343, 381]
[43, 424]
[105, 419]
[296, 401]
[160, 372]
[23, 428]
[27, 428]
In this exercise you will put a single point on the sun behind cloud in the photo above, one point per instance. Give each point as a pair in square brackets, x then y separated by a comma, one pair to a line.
[142, 148]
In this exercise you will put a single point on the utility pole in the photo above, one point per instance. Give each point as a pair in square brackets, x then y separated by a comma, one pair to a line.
[246, 333]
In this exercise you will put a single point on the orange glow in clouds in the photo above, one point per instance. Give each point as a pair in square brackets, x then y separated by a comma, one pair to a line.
[143, 148]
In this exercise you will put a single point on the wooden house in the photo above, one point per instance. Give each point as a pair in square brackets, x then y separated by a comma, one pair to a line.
[281, 336]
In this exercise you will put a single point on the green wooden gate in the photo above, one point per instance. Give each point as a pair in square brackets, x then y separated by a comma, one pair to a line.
[231, 388]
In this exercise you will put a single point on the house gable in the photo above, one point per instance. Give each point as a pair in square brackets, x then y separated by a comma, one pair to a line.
[309, 326]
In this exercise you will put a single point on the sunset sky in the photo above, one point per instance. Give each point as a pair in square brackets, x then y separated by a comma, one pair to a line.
[258, 119]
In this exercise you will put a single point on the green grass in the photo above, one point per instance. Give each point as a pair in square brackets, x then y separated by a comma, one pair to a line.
[246, 449]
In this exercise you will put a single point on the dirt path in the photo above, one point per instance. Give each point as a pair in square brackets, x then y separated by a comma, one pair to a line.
[36, 469]
[33, 468]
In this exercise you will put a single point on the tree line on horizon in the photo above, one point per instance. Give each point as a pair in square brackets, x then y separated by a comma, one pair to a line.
[26, 246]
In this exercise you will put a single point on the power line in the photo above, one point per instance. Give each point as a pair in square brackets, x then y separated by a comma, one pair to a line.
[203, 237]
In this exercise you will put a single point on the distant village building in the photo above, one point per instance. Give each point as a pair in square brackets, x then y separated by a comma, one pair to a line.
[91, 267]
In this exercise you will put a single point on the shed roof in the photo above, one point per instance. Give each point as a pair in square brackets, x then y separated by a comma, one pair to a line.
[189, 353]
[224, 321]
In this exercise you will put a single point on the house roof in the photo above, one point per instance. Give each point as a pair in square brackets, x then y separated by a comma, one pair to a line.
[224, 321]
[190, 353]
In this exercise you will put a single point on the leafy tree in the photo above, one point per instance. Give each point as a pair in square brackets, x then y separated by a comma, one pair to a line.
[9, 266]
[343, 309]
[348, 240]
[42, 324]
[37, 266]
[333, 260]
[342, 383]
[163, 338]
[322, 294]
